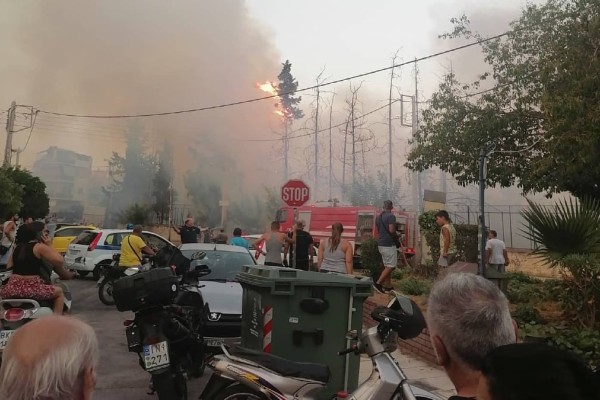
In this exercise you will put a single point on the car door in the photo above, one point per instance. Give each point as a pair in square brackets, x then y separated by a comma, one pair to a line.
[63, 237]
[154, 241]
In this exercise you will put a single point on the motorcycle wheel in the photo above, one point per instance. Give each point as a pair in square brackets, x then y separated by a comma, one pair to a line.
[169, 387]
[105, 292]
[237, 391]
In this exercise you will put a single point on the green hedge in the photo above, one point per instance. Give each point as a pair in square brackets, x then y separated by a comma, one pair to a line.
[371, 259]
[466, 238]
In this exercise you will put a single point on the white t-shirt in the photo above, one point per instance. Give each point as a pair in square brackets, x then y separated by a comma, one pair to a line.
[497, 246]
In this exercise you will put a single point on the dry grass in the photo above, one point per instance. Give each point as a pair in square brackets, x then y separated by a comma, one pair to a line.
[531, 265]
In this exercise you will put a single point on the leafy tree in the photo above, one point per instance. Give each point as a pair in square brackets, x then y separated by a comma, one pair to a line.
[131, 175]
[541, 114]
[138, 214]
[34, 199]
[205, 195]
[368, 190]
[286, 88]
[162, 183]
[254, 213]
[12, 193]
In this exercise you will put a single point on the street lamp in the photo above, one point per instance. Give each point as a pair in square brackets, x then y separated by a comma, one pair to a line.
[483, 156]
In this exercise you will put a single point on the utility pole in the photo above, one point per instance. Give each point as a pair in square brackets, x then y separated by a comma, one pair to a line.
[10, 124]
[353, 141]
[390, 166]
[345, 153]
[171, 199]
[317, 142]
[330, 147]
[285, 149]
[483, 155]
[414, 133]
[18, 152]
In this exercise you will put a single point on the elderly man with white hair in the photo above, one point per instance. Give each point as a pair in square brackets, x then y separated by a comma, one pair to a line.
[467, 316]
[50, 358]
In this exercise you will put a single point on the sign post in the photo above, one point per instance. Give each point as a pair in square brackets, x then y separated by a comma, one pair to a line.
[295, 193]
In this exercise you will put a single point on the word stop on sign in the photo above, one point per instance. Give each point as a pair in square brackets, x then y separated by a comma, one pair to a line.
[294, 194]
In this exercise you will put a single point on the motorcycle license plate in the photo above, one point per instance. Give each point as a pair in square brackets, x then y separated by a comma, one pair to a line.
[4, 335]
[212, 342]
[156, 355]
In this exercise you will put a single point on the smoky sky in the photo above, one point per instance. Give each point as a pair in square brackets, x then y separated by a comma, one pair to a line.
[130, 57]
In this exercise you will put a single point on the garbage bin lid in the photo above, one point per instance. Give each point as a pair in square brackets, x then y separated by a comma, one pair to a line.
[267, 276]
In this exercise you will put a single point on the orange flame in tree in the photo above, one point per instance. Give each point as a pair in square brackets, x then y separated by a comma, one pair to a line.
[267, 87]
[271, 88]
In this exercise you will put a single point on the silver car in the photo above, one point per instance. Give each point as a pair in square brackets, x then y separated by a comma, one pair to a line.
[221, 290]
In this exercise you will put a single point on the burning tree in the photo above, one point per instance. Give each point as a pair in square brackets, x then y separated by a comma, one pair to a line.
[287, 106]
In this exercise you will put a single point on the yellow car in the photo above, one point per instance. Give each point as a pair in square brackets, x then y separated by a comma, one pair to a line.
[64, 236]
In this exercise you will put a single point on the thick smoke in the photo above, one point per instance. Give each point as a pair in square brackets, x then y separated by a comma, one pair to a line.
[130, 57]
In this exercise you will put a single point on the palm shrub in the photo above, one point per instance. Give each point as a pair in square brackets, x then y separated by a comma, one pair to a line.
[568, 237]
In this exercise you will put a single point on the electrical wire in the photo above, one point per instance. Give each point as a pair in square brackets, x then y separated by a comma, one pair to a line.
[320, 130]
[30, 131]
[256, 99]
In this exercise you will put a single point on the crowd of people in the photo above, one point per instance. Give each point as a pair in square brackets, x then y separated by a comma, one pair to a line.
[472, 333]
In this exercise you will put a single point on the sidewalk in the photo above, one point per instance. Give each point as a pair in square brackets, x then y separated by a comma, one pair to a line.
[424, 375]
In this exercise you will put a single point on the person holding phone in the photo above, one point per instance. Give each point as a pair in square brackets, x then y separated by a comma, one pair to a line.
[33, 249]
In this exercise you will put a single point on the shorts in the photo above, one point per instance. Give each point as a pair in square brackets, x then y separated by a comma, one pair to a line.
[389, 256]
[446, 261]
[498, 267]
[302, 264]
[27, 288]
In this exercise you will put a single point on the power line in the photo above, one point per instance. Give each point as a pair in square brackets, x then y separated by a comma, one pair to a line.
[321, 130]
[30, 131]
[253, 100]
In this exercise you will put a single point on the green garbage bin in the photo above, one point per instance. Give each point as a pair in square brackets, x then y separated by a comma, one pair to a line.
[498, 278]
[304, 316]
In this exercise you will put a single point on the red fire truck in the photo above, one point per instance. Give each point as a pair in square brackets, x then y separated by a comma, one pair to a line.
[358, 222]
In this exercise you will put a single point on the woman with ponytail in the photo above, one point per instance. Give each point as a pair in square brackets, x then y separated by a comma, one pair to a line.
[32, 249]
[335, 253]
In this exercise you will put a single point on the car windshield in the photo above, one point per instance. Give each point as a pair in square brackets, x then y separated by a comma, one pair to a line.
[224, 265]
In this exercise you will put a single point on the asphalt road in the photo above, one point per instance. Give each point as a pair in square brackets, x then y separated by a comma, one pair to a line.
[120, 377]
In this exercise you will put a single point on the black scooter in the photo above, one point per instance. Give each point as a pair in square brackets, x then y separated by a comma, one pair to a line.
[167, 329]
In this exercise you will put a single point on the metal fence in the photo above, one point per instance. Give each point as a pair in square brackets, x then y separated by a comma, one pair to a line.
[180, 213]
[504, 219]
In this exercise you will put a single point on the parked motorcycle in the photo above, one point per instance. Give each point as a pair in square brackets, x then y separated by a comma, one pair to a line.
[15, 313]
[110, 273]
[167, 328]
[249, 374]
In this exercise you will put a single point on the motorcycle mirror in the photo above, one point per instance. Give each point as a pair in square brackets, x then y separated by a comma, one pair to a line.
[199, 271]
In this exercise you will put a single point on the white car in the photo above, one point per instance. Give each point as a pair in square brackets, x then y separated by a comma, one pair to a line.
[95, 247]
[221, 290]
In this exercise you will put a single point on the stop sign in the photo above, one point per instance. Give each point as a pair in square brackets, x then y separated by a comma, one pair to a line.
[295, 193]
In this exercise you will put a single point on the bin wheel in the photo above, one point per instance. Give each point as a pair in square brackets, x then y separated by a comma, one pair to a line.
[237, 391]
